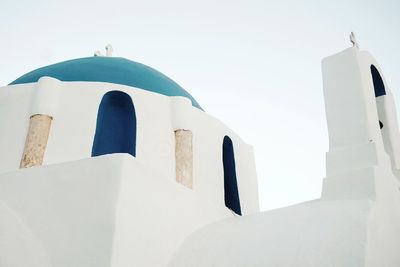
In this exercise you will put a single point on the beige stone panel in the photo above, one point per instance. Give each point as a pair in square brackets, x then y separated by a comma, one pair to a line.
[36, 140]
[184, 157]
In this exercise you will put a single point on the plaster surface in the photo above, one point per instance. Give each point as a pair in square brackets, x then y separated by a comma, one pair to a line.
[317, 233]
[103, 211]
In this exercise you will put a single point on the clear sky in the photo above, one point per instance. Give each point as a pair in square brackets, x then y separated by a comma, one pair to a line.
[255, 65]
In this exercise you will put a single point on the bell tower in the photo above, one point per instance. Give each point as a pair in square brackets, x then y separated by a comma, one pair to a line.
[362, 125]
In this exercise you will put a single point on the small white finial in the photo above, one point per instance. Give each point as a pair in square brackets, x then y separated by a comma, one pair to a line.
[97, 53]
[109, 50]
[353, 40]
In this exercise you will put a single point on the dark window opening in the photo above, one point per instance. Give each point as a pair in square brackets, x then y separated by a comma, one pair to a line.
[116, 125]
[232, 200]
[379, 86]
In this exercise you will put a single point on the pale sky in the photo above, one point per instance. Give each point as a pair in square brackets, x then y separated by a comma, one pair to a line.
[255, 65]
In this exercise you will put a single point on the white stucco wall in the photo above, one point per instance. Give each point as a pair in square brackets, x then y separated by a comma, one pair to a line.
[74, 124]
[313, 234]
[104, 211]
[19, 247]
[69, 208]
[14, 107]
[362, 159]
[357, 220]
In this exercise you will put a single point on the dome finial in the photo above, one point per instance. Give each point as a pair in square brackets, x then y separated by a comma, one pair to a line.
[353, 40]
[109, 51]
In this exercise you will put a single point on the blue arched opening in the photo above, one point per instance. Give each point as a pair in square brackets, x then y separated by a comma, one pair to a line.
[232, 200]
[116, 125]
[379, 86]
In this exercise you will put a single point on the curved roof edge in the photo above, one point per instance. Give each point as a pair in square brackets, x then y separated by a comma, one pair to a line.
[109, 69]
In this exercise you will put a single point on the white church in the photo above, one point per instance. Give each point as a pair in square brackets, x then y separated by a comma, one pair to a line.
[106, 162]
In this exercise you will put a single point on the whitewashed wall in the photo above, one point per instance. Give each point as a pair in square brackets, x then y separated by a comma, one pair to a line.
[74, 125]
[357, 220]
[105, 211]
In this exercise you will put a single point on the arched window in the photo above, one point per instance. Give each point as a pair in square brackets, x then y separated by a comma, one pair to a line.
[379, 89]
[232, 200]
[379, 86]
[116, 125]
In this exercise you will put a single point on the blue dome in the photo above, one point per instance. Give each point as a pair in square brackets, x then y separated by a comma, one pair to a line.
[109, 69]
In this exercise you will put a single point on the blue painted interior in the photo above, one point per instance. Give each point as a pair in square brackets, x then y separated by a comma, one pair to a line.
[232, 200]
[109, 69]
[379, 86]
[116, 125]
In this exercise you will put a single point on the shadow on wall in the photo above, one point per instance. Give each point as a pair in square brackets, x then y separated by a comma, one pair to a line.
[232, 200]
[116, 125]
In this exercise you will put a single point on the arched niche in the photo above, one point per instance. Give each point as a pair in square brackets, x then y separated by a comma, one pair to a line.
[116, 125]
[232, 200]
[379, 86]
[386, 110]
